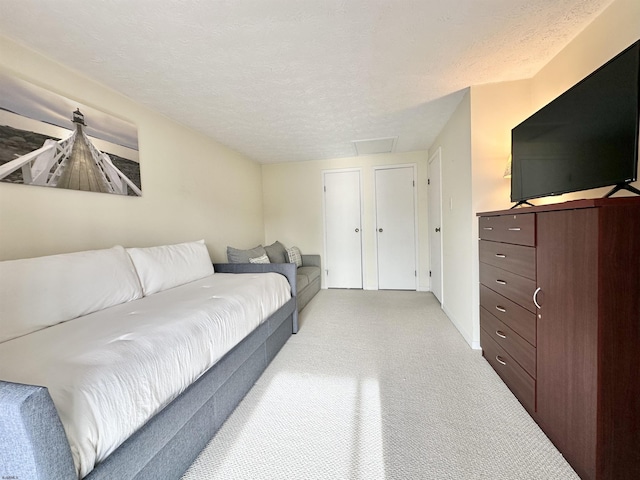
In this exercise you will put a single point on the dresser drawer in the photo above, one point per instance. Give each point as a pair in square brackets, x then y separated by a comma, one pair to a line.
[513, 258]
[519, 319]
[519, 382]
[516, 288]
[516, 229]
[516, 346]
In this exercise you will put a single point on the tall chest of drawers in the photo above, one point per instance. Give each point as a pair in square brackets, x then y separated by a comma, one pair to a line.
[560, 324]
[507, 312]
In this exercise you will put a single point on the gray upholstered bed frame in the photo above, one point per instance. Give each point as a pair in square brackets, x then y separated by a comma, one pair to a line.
[33, 444]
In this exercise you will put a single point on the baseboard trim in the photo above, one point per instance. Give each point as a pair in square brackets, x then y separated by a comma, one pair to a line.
[457, 324]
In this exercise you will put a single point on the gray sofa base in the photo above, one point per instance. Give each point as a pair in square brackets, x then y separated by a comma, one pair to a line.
[167, 444]
[308, 293]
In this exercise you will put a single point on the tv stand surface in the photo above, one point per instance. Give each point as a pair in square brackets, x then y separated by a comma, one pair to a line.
[571, 204]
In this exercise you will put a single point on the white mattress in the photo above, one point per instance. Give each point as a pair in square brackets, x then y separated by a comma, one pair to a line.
[110, 371]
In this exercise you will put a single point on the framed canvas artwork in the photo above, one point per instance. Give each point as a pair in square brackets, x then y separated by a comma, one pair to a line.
[52, 141]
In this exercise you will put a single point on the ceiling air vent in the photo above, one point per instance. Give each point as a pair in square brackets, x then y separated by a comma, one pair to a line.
[375, 145]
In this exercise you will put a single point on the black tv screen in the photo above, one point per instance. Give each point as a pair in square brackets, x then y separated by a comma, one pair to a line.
[586, 138]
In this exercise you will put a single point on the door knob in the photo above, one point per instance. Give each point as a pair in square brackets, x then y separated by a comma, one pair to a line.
[357, 230]
[380, 230]
[437, 229]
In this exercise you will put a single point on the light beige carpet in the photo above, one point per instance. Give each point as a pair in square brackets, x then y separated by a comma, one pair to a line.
[379, 385]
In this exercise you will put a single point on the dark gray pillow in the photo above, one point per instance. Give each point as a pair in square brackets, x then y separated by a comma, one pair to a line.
[277, 253]
[235, 255]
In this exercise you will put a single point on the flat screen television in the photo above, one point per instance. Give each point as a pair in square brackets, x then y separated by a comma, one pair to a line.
[586, 138]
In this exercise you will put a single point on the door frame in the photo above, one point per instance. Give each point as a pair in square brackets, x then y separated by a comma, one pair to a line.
[324, 222]
[436, 155]
[415, 218]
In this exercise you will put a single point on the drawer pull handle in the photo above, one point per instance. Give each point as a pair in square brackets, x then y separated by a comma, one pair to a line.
[535, 297]
[501, 255]
[502, 282]
[501, 309]
[514, 229]
[487, 228]
[500, 360]
[500, 334]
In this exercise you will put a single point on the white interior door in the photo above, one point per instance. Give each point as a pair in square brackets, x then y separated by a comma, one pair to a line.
[396, 228]
[435, 225]
[343, 229]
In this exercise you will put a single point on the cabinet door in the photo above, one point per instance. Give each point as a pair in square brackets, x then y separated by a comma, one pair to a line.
[567, 274]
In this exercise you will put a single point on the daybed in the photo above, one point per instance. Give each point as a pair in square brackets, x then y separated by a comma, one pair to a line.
[145, 343]
[263, 259]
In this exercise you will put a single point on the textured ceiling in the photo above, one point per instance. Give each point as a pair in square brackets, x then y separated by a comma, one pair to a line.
[292, 80]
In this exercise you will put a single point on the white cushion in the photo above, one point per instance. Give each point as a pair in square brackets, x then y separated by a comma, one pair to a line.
[260, 259]
[36, 293]
[294, 256]
[168, 266]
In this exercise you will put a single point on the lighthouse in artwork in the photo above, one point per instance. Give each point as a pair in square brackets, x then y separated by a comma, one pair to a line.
[78, 120]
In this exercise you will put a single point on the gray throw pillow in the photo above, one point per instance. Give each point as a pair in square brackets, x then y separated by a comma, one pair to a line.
[235, 255]
[276, 252]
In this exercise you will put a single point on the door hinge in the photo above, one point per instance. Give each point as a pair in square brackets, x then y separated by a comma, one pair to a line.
[428, 181]
[325, 189]
[414, 183]
[429, 272]
[327, 272]
[415, 273]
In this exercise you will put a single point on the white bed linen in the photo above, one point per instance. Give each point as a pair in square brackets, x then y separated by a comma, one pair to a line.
[112, 370]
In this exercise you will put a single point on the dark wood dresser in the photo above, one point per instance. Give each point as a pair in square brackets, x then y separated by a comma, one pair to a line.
[560, 324]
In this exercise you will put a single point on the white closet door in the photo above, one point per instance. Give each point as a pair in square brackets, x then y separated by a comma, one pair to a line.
[395, 228]
[435, 226]
[343, 230]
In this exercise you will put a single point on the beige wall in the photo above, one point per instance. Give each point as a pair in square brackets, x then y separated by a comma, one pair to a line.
[613, 31]
[455, 148]
[475, 146]
[491, 139]
[491, 146]
[493, 111]
[293, 206]
[192, 186]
